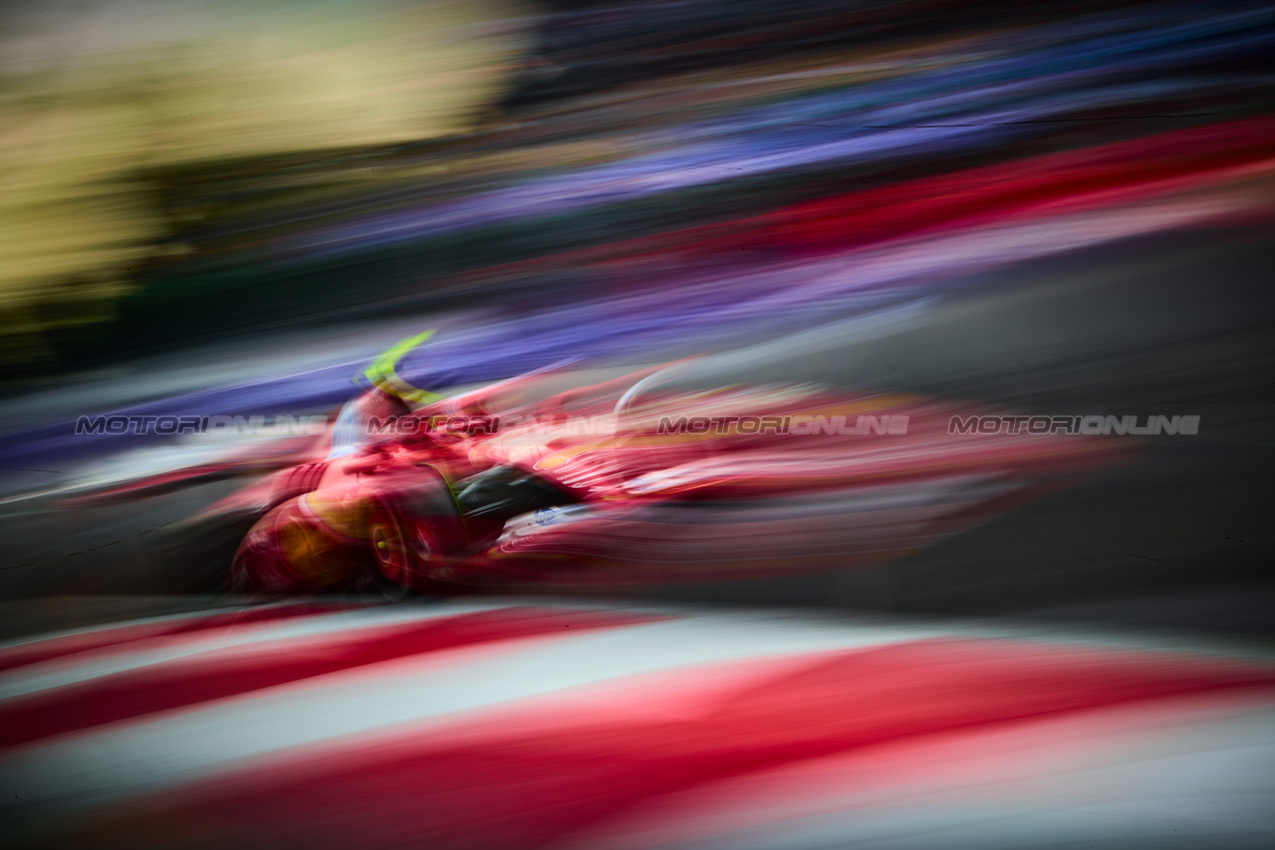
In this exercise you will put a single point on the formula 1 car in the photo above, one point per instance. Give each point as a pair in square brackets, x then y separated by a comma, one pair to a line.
[630, 481]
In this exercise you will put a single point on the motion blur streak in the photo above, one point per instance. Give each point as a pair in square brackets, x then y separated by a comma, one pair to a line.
[202, 678]
[35, 652]
[621, 759]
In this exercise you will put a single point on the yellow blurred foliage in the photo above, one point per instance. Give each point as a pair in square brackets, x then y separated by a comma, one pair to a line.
[87, 101]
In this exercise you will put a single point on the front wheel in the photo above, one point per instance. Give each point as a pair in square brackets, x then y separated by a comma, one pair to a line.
[413, 536]
[400, 548]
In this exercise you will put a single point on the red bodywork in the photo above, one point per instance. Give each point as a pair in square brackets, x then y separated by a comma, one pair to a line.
[806, 479]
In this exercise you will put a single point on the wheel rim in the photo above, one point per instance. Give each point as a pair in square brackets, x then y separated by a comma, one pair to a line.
[390, 550]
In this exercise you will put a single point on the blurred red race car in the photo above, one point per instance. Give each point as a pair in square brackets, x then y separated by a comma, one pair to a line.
[627, 482]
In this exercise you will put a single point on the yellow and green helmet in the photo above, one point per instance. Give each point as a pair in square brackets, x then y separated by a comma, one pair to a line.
[383, 372]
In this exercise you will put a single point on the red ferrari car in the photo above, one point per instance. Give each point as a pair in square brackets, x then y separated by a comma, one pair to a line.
[629, 481]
